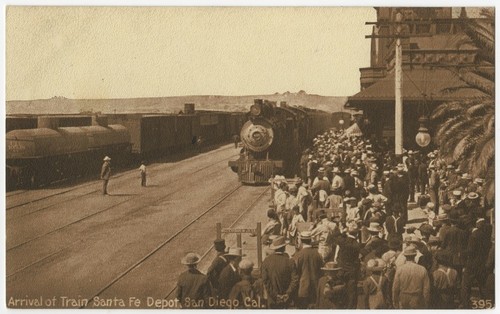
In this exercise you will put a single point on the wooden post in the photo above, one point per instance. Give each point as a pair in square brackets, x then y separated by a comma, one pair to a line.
[238, 240]
[218, 228]
[259, 245]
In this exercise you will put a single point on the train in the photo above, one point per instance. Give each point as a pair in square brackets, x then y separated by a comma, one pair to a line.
[273, 138]
[41, 150]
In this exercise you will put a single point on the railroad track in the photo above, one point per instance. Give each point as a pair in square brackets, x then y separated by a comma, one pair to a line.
[116, 205]
[172, 237]
[93, 182]
[232, 225]
[91, 192]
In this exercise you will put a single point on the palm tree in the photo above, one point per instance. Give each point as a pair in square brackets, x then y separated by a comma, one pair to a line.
[466, 132]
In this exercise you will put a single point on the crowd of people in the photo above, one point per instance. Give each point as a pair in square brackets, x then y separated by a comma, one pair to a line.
[340, 236]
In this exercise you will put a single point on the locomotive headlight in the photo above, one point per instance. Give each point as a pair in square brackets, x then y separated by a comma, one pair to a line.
[255, 110]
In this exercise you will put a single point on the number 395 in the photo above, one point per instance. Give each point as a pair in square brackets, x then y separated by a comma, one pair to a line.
[482, 304]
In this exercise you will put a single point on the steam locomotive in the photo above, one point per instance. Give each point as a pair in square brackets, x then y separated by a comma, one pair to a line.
[273, 138]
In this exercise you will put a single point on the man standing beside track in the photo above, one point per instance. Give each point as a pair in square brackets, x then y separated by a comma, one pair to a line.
[105, 174]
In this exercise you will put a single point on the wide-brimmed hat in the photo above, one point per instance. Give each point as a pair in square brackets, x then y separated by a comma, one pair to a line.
[410, 250]
[279, 242]
[466, 176]
[191, 259]
[245, 264]
[321, 169]
[430, 205]
[457, 192]
[306, 235]
[400, 167]
[478, 180]
[234, 251]
[354, 173]
[374, 227]
[107, 158]
[336, 170]
[331, 266]
[472, 195]
[450, 167]
[373, 167]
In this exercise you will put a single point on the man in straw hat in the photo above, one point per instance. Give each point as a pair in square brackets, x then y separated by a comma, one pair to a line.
[332, 290]
[105, 174]
[308, 262]
[193, 287]
[230, 274]
[411, 287]
[279, 275]
[376, 285]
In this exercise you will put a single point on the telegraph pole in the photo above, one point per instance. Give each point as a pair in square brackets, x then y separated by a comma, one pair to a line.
[398, 112]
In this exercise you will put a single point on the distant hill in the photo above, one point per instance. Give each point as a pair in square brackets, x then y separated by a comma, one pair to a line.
[61, 105]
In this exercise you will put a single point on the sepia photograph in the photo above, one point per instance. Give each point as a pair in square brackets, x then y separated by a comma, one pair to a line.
[249, 157]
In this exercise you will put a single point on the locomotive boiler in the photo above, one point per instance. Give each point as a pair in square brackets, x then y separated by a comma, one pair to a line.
[273, 139]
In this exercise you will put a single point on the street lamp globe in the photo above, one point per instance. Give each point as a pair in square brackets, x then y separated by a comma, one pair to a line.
[341, 122]
[423, 138]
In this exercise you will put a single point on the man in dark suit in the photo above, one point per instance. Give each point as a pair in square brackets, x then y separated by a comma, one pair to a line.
[455, 241]
[475, 260]
[193, 287]
[279, 275]
[230, 274]
[309, 263]
[218, 264]
[348, 260]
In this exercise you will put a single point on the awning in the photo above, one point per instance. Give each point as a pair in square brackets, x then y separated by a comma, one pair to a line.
[353, 130]
[437, 84]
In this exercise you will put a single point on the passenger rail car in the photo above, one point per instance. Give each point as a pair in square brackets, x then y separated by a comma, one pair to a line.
[273, 139]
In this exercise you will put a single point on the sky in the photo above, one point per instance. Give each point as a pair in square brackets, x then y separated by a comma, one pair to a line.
[125, 52]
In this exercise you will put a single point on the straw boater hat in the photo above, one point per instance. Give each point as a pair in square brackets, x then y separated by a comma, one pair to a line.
[442, 217]
[336, 170]
[107, 158]
[374, 227]
[191, 259]
[410, 250]
[472, 195]
[279, 242]
[400, 167]
[306, 235]
[373, 167]
[450, 167]
[466, 176]
[331, 266]
[457, 192]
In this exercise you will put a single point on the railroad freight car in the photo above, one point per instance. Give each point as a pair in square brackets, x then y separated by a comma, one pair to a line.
[273, 138]
[49, 153]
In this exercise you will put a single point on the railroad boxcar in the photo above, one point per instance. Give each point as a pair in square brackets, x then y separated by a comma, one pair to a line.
[50, 153]
[273, 138]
